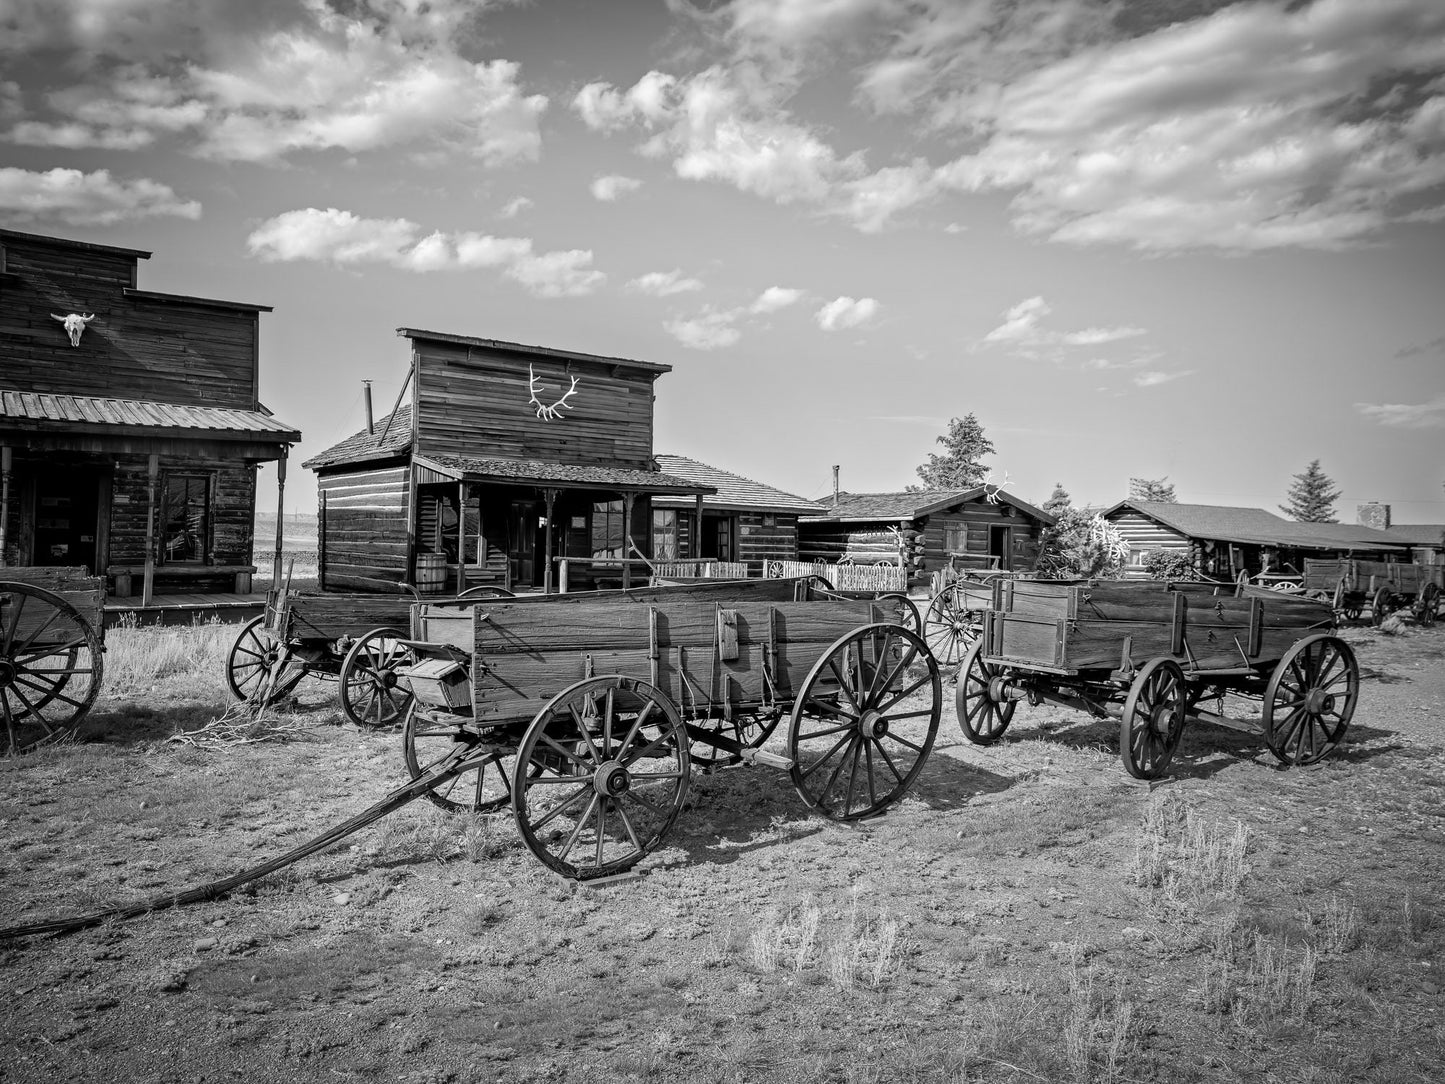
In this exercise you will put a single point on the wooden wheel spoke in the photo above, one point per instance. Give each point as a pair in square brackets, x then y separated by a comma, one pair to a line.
[582, 721]
[633, 796]
[561, 806]
[660, 740]
[828, 708]
[627, 827]
[578, 828]
[5, 649]
[903, 741]
[821, 761]
[829, 732]
[882, 752]
[655, 775]
[906, 693]
[843, 684]
[637, 724]
[565, 752]
[868, 772]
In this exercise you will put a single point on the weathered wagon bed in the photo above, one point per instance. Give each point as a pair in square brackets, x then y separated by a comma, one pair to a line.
[587, 725]
[1382, 586]
[1149, 653]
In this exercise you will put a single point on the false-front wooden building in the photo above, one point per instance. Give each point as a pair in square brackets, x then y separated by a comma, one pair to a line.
[744, 522]
[932, 529]
[501, 464]
[130, 423]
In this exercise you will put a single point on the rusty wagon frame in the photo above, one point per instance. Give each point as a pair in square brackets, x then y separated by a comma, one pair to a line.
[52, 648]
[1150, 653]
[587, 723]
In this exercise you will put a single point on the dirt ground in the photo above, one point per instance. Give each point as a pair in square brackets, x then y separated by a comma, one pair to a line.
[1027, 913]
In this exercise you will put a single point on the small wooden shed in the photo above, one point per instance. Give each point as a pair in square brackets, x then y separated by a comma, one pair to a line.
[970, 528]
[521, 466]
[744, 521]
[130, 422]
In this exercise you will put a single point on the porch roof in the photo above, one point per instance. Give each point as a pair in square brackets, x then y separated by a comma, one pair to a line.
[33, 412]
[560, 475]
[733, 491]
[1257, 527]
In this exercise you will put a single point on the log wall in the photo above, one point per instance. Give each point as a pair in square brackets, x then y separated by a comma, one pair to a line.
[1142, 534]
[363, 528]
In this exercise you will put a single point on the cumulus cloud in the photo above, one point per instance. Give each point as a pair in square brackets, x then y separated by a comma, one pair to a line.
[1426, 415]
[664, 283]
[846, 312]
[345, 239]
[86, 199]
[264, 82]
[774, 298]
[512, 208]
[1154, 377]
[614, 186]
[709, 330]
[1022, 328]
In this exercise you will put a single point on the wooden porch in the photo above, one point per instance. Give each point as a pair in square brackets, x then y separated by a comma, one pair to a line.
[185, 609]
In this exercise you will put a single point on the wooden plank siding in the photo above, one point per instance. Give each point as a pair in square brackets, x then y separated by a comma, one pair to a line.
[364, 527]
[475, 402]
[1142, 534]
[139, 346]
[759, 541]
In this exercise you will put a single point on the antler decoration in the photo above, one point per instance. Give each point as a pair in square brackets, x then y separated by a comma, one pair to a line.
[545, 412]
[991, 491]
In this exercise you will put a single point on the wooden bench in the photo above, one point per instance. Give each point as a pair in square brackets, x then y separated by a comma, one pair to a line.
[126, 575]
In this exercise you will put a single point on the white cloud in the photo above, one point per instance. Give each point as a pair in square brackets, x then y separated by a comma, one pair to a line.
[709, 330]
[266, 81]
[342, 238]
[512, 208]
[1021, 329]
[1427, 415]
[1154, 377]
[86, 199]
[613, 186]
[664, 283]
[774, 298]
[845, 312]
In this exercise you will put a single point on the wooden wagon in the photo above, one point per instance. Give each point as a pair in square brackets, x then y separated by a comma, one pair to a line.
[1382, 586]
[51, 652]
[1149, 653]
[587, 725]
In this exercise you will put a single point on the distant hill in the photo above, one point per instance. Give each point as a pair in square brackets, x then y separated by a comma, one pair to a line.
[298, 532]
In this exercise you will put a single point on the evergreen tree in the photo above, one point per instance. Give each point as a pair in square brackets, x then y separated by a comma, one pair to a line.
[1059, 501]
[1312, 496]
[1152, 489]
[960, 467]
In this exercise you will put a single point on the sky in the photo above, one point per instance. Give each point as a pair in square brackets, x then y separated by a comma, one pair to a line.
[1178, 239]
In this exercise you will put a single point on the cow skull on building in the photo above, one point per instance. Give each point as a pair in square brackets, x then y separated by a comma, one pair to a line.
[74, 325]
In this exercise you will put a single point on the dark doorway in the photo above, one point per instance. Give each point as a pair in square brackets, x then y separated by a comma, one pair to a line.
[525, 569]
[67, 519]
[1000, 545]
[717, 538]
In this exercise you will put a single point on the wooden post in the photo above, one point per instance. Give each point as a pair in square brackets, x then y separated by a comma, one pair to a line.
[551, 495]
[562, 575]
[4, 499]
[627, 502]
[695, 550]
[280, 517]
[147, 590]
[321, 539]
[461, 537]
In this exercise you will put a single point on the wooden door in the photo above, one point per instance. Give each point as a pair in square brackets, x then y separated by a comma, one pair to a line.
[67, 517]
[1000, 545]
[526, 570]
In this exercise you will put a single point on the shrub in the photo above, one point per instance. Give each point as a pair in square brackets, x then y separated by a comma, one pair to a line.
[1169, 565]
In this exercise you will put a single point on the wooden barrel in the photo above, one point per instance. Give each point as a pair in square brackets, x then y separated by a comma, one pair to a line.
[431, 573]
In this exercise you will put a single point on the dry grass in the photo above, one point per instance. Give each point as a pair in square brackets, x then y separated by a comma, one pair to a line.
[860, 948]
[142, 660]
[1183, 861]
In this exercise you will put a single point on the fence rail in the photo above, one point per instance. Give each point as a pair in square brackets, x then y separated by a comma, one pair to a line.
[845, 577]
[700, 570]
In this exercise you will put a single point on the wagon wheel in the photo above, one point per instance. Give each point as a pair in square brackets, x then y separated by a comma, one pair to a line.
[1429, 603]
[371, 691]
[50, 666]
[984, 712]
[486, 591]
[1380, 606]
[1153, 719]
[749, 730]
[604, 766]
[256, 654]
[857, 715]
[810, 584]
[486, 788]
[950, 627]
[1310, 698]
[902, 611]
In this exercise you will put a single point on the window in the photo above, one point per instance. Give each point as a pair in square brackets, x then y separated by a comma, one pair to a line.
[608, 531]
[664, 534]
[185, 519]
[955, 538]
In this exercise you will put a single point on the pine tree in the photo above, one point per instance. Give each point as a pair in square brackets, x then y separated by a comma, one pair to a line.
[1312, 496]
[960, 467]
[1152, 489]
[1059, 501]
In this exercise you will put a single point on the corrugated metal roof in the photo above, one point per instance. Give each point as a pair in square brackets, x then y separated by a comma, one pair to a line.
[733, 490]
[44, 412]
[563, 475]
[1255, 526]
[364, 446]
[913, 504]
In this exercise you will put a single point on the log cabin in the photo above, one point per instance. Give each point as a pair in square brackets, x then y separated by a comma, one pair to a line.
[1222, 541]
[130, 423]
[744, 522]
[524, 467]
[932, 530]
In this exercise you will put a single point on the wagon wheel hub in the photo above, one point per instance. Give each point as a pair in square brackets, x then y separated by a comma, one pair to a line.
[1161, 719]
[873, 724]
[7, 673]
[998, 689]
[1319, 702]
[387, 679]
[612, 779]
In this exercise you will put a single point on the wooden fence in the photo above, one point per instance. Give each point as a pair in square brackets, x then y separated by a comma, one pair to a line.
[845, 577]
[700, 570]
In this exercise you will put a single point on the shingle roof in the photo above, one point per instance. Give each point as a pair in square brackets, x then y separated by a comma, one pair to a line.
[58, 413]
[364, 446]
[1255, 526]
[733, 490]
[912, 504]
[1418, 534]
[562, 475]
